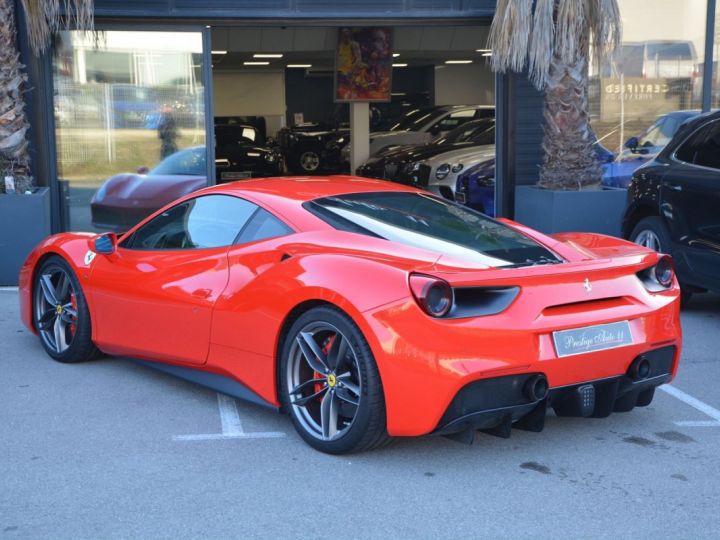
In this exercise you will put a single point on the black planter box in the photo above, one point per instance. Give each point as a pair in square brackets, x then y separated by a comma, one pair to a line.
[549, 211]
[24, 223]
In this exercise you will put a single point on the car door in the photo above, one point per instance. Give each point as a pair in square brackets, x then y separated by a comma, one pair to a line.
[153, 297]
[690, 201]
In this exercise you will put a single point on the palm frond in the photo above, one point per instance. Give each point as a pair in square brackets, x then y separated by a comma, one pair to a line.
[510, 34]
[605, 26]
[44, 17]
[570, 29]
[541, 43]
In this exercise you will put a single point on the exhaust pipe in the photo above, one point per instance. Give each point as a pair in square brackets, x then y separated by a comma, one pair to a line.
[536, 388]
[639, 369]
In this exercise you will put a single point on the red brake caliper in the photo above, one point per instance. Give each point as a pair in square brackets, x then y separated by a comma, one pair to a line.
[73, 303]
[321, 376]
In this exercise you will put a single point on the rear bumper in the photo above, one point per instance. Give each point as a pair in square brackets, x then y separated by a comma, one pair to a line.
[498, 403]
[424, 362]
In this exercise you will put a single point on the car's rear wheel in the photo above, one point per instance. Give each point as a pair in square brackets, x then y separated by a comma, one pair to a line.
[652, 233]
[60, 313]
[330, 385]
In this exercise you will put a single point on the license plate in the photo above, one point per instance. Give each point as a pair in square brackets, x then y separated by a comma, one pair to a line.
[592, 338]
[241, 175]
[460, 197]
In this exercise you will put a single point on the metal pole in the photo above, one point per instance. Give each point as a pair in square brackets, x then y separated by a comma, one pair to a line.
[709, 60]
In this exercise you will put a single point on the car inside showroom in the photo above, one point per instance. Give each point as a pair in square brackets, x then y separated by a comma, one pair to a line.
[132, 107]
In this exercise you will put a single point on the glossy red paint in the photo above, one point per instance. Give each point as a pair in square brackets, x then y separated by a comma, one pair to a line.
[224, 310]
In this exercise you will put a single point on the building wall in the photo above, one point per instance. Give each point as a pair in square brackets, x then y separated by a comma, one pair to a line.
[452, 88]
[251, 94]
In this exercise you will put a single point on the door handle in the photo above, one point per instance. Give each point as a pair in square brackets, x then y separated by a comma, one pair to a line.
[202, 293]
[675, 187]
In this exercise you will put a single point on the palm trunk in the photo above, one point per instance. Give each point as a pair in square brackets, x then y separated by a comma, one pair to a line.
[14, 158]
[569, 160]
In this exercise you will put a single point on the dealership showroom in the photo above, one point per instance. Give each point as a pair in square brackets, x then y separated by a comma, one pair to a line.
[375, 321]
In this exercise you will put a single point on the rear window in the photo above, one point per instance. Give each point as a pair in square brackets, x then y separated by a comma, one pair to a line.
[427, 222]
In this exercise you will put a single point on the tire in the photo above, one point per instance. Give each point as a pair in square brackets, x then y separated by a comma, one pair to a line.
[330, 385]
[652, 233]
[307, 161]
[60, 313]
[651, 230]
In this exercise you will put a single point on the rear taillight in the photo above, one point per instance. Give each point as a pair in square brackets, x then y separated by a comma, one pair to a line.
[664, 272]
[659, 277]
[433, 295]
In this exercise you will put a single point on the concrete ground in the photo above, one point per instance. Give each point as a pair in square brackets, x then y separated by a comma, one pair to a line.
[110, 449]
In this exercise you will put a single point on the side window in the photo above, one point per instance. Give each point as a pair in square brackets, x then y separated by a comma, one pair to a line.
[204, 222]
[652, 135]
[454, 120]
[262, 226]
[703, 147]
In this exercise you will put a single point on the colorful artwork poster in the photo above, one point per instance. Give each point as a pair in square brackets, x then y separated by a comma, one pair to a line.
[363, 64]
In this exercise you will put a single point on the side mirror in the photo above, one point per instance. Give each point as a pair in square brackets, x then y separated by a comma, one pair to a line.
[631, 143]
[105, 244]
[143, 170]
[435, 131]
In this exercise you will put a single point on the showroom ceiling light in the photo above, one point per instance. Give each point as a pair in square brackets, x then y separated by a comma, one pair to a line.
[458, 61]
[487, 54]
[267, 55]
[396, 54]
[256, 63]
[399, 65]
[218, 52]
[299, 65]
[483, 50]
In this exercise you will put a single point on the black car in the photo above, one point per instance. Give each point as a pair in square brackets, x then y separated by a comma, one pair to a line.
[674, 204]
[241, 151]
[303, 145]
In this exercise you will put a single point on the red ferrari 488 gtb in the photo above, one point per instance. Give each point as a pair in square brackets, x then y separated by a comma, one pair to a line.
[365, 309]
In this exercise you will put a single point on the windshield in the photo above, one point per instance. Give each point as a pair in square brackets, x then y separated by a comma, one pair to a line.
[189, 162]
[415, 119]
[477, 132]
[430, 223]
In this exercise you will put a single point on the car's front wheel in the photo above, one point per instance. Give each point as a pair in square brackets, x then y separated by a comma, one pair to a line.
[60, 313]
[330, 385]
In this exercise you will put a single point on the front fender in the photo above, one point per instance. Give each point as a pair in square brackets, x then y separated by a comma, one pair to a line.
[70, 246]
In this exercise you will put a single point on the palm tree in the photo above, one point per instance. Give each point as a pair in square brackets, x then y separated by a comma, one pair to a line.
[553, 42]
[43, 18]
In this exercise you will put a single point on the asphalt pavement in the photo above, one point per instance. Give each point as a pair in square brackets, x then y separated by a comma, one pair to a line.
[112, 449]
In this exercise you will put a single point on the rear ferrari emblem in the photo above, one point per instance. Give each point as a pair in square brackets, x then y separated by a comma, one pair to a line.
[587, 285]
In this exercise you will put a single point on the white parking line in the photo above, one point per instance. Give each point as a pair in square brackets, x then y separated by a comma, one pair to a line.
[695, 403]
[698, 423]
[231, 425]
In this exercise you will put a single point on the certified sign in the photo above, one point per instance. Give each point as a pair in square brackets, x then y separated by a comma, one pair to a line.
[592, 338]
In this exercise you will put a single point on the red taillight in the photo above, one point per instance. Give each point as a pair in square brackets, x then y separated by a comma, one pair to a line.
[664, 271]
[432, 294]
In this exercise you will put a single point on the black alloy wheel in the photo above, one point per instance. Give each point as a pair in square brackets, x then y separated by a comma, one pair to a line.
[329, 384]
[60, 313]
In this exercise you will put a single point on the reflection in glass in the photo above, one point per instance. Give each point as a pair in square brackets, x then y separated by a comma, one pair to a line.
[124, 102]
[639, 98]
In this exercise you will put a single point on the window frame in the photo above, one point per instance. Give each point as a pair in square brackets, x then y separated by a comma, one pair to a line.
[676, 159]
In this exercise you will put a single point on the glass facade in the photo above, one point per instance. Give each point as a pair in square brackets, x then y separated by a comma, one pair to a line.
[637, 98]
[716, 61]
[123, 102]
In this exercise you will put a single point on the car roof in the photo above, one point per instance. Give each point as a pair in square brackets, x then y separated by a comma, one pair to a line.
[284, 196]
[306, 188]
